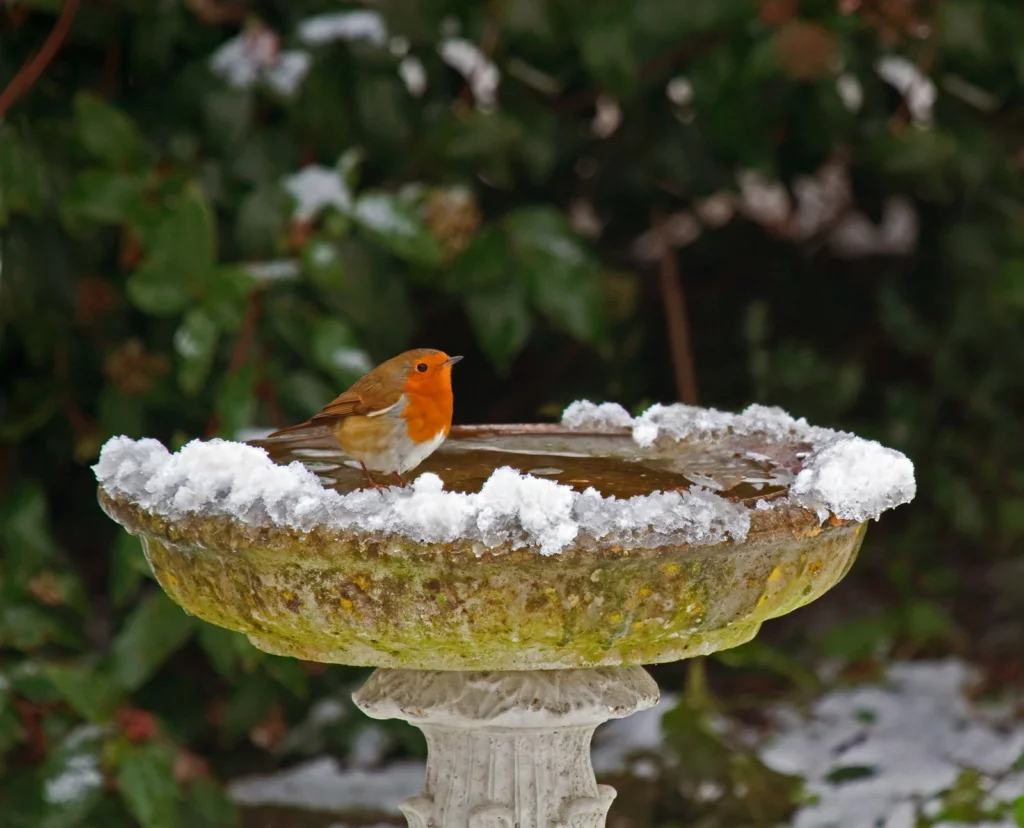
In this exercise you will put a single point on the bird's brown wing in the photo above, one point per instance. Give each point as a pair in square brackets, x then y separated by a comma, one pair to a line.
[366, 397]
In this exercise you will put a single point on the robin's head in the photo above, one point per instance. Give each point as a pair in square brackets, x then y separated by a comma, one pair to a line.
[426, 370]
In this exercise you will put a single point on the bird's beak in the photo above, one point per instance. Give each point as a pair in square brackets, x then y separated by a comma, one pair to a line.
[451, 361]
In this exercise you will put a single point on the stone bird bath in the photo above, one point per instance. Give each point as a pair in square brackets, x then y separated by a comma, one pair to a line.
[510, 607]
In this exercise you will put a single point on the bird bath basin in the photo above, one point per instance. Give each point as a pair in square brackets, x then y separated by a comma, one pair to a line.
[509, 608]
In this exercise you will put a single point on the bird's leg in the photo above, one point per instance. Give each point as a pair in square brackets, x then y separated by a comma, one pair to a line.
[379, 488]
[401, 480]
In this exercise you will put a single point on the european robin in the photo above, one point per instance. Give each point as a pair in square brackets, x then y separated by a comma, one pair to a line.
[392, 418]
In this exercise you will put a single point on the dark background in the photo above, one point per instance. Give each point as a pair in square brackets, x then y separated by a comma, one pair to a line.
[138, 187]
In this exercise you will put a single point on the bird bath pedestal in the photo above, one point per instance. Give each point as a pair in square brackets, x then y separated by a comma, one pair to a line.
[508, 615]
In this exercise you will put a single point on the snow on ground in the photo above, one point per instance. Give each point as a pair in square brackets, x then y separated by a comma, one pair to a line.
[323, 785]
[903, 741]
[870, 755]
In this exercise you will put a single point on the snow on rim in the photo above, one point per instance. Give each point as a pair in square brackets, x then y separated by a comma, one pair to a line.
[845, 475]
[230, 479]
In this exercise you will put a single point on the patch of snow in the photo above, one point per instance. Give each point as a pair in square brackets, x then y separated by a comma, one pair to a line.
[322, 785]
[699, 515]
[762, 200]
[679, 90]
[845, 475]
[618, 742]
[678, 230]
[413, 75]
[352, 359]
[584, 219]
[584, 414]
[307, 735]
[917, 89]
[850, 92]
[481, 74]
[80, 775]
[376, 211]
[854, 235]
[273, 270]
[369, 746]
[607, 116]
[77, 780]
[240, 60]
[690, 422]
[286, 75]
[255, 55]
[856, 479]
[367, 26]
[315, 188]
[240, 481]
[717, 209]
[916, 733]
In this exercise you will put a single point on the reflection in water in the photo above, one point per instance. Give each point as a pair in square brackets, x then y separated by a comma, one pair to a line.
[736, 467]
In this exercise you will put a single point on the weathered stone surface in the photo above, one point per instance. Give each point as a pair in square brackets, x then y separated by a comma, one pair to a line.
[361, 600]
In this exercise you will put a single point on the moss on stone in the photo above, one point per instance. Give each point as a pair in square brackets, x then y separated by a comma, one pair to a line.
[350, 598]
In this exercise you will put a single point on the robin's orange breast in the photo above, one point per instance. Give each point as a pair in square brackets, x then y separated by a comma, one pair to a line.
[397, 440]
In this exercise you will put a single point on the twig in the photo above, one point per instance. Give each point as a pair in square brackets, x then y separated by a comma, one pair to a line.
[245, 336]
[212, 11]
[30, 71]
[675, 317]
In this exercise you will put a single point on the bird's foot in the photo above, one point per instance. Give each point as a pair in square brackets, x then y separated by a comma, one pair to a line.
[401, 480]
[377, 487]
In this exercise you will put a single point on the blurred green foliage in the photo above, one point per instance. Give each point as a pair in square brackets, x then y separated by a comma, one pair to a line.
[159, 278]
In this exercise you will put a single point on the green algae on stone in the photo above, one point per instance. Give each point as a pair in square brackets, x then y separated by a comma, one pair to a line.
[353, 598]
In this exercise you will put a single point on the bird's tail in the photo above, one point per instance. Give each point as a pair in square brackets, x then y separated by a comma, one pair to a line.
[299, 442]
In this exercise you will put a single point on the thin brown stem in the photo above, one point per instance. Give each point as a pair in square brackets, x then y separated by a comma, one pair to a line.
[212, 11]
[674, 300]
[30, 71]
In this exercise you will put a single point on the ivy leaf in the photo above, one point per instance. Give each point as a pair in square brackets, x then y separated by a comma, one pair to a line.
[89, 691]
[155, 289]
[23, 179]
[153, 633]
[562, 276]
[195, 342]
[261, 220]
[104, 130]
[180, 257]
[396, 226]
[483, 265]
[145, 777]
[501, 323]
[236, 401]
[349, 167]
[102, 196]
[25, 531]
[607, 49]
[229, 652]
[337, 350]
[209, 807]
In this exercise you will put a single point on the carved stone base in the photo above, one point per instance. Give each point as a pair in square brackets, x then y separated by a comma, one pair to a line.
[508, 749]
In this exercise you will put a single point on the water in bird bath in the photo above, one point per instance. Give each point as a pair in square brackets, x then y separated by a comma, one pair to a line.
[740, 468]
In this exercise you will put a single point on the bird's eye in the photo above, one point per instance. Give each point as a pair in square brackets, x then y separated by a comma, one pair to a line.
[422, 367]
